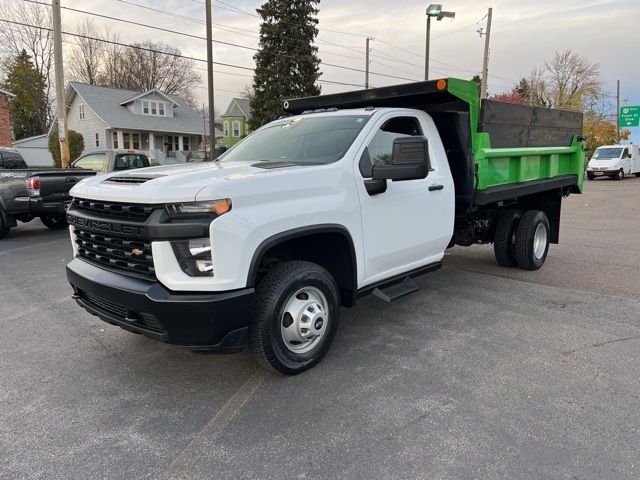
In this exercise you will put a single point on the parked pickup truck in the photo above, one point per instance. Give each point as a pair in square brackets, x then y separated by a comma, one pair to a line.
[614, 161]
[27, 193]
[354, 193]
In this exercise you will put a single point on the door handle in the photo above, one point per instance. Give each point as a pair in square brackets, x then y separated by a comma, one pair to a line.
[433, 188]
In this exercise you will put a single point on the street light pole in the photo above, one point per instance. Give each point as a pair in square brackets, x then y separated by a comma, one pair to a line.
[212, 116]
[61, 107]
[485, 61]
[433, 10]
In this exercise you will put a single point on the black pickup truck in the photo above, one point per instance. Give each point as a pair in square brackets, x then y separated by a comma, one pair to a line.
[27, 193]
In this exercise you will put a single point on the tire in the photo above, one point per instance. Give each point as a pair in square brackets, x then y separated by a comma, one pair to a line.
[620, 175]
[532, 240]
[298, 286]
[4, 228]
[503, 240]
[637, 174]
[590, 176]
[55, 222]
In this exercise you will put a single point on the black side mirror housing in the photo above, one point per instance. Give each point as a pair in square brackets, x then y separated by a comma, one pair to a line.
[409, 160]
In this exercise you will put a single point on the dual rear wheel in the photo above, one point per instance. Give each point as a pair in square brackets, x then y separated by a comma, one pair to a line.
[522, 239]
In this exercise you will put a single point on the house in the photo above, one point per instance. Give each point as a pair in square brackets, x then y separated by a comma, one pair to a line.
[35, 150]
[235, 122]
[5, 121]
[162, 125]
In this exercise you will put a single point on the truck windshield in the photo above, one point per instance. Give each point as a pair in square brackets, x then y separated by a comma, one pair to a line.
[303, 141]
[607, 153]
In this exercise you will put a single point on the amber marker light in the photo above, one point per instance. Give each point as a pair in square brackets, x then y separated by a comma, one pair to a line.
[441, 85]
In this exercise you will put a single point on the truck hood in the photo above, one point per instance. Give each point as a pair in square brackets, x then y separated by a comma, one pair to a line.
[175, 183]
[604, 162]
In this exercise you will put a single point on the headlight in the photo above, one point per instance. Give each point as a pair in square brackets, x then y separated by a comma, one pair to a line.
[213, 208]
[194, 257]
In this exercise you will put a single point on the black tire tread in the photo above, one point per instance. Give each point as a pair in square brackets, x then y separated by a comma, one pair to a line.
[267, 295]
[524, 234]
[52, 225]
[502, 247]
[4, 229]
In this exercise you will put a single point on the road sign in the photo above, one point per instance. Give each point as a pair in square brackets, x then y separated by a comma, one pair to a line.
[630, 116]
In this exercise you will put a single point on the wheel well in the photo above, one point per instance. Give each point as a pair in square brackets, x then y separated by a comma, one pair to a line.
[332, 250]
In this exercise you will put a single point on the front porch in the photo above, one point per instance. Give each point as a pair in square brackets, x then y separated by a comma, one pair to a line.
[161, 148]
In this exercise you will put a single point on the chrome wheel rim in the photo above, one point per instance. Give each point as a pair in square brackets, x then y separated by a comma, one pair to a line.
[304, 319]
[540, 241]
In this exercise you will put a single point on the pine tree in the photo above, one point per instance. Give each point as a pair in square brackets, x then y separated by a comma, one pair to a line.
[287, 63]
[29, 108]
[523, 89]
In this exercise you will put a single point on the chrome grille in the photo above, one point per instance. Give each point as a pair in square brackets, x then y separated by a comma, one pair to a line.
[137, 212]
[118, 252]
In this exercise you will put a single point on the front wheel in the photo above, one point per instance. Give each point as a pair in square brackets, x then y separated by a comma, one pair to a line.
[590, 176]
[532, 240]
[637, 174]
[55, 222]
[620, 175]
[295, 317]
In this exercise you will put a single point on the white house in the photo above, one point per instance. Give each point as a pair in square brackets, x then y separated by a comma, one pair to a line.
[162, 125]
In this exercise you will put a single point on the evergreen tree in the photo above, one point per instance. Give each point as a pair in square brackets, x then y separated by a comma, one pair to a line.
[523, 89]
[287, 63]
[29, 109]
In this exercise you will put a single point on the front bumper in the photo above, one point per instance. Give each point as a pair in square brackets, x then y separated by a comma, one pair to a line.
[206, 322]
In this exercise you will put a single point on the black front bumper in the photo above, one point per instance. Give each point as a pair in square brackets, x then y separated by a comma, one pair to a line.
[207, 322]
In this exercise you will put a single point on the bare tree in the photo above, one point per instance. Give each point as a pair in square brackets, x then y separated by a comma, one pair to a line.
[38, 42]
[86, 58]
[568, 80]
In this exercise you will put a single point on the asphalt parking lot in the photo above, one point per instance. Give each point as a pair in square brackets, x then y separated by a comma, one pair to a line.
[486, 372]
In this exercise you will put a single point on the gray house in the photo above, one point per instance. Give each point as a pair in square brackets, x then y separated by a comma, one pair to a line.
[162, 125]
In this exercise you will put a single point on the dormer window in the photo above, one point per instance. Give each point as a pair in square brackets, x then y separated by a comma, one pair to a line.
[154, 108]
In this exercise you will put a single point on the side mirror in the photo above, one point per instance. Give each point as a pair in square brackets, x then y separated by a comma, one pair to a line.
[409, 160]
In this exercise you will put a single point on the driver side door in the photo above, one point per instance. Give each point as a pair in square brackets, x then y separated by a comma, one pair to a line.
[410, 224]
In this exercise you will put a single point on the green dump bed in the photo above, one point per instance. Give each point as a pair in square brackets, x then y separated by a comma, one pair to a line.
[497, 151]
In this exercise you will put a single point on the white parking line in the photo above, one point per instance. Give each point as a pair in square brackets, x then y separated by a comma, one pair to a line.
[203, 440]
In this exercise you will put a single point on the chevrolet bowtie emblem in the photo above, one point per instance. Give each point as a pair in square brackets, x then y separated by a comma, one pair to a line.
[137, 252]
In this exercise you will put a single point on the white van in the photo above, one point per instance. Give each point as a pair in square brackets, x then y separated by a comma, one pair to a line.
[614, 161]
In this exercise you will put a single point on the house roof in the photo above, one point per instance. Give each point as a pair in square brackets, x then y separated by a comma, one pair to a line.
[106, 103]
[24, 141]
[7, 93]
[238, 107]
[148, 92]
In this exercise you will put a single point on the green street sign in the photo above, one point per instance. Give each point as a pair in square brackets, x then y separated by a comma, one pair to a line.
[630, 116]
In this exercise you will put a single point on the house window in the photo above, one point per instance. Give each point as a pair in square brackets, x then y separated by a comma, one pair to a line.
[135, 137]
[81, 111]
[161, 109]
[176, 143]
[185, 144]
[236, 128]
[126, 144]
[154, 108]
[144, 141]
[97, 140]
[225, 128]
[145, 107]
[114, 137]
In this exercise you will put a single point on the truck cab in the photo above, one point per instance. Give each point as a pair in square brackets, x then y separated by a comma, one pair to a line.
[614, 161]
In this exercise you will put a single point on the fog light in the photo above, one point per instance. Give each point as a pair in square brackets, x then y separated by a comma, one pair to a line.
[194, 257]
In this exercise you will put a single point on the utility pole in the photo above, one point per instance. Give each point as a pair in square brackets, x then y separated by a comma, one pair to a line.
[618, 110]
[485, 62]
[65, 156]
[426, 52]
[366, 75]
[212, 115]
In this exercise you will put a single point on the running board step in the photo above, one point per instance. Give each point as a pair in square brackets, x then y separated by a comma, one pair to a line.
[394, 292]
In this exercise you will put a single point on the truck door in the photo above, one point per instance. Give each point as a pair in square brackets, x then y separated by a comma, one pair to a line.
[410, 224]
[626, 161]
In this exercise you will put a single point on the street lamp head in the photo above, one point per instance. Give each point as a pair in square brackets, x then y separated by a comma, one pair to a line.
[450, 15]
[434, 10]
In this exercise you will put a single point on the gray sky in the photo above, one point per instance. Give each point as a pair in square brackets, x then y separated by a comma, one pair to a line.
[524, 34]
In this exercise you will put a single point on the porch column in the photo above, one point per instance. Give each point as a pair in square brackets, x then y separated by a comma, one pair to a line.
[180, 143]
[120, 139]
[151, 145]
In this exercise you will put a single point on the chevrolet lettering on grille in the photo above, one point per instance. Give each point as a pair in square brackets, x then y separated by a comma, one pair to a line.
[102, 226]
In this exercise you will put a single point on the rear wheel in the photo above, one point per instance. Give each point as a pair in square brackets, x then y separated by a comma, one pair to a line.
[532, 240]
[637, 174]
[4, 228]
[55, 222]
[503, 241]
[296, 313]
